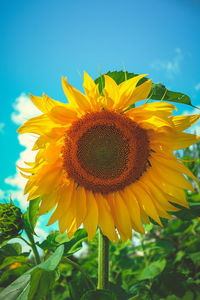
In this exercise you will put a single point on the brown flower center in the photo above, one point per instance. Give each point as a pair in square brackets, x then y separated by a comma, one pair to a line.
[105, 151]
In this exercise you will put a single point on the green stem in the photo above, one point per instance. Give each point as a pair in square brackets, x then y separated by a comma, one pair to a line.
[77, 266]
[33, 246]
[103, 261]
[25, 241]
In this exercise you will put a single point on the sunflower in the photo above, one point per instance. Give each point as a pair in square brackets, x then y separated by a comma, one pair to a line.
[100, 162]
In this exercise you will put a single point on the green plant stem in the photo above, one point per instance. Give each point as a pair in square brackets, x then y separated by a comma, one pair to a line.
[33, 246]
[25, 241]
[103, 261]
[77, 266]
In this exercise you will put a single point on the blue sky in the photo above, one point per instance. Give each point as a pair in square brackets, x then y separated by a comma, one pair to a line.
[42, 40]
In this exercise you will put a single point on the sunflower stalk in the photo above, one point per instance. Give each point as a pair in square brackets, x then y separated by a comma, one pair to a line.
[103, 261]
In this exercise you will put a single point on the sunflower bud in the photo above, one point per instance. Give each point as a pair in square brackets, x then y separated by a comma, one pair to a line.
[11, 220]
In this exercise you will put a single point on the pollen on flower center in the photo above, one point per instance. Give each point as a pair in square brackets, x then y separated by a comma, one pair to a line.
[105, 151]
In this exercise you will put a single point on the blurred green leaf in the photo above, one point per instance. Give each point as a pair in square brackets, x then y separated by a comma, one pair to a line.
[119, 291]
[99, 295]
[78, 285]
[188, 214]
[165, 245]
[152, 270]
[12, 249]
[195, 257]
[13, 259]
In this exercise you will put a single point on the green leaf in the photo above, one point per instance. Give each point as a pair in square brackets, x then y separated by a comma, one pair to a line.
[11, 275]
[13, 259]
[33, 210]
[119, 291]
[12, 249]
[31, 215]
[41, 283]
[188, 214]
[153, 270]
[174, 283]
[99, 295]
[52, 262]
[73, 245]
[16, 289]
[158, 90]
[25, 292]
[195, 257]
[78, 286]
[165, 245]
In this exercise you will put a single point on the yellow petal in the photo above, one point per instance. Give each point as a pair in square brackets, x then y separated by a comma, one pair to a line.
[80, 204]
[106, 222]
[92, 91]
[75, 98]
[133, 208]
[48, 178]
[38, 102]
[126, 90]
[174, 164]
[110, 91]
[91, 219]
[53, 152]
[141, 92]
[45, 103]
[121, 213]
[145, 202]
[169, 189]
[177, 201]
[160, 109]
[62, 115]
[158, 195]
[154, 123]
[48, 202]
[171, 176]
[64, 201]
[183, 122]
[53, 135]
[38, 125]
[173, 140]
[89, 84]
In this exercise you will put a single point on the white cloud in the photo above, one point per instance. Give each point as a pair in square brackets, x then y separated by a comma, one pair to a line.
[172, 66]
[197, 87]
[24, 109]
[2, 125]
[2, 195]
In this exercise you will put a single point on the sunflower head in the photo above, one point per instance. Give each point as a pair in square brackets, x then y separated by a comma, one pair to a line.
[102, 161]
[11, 220]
